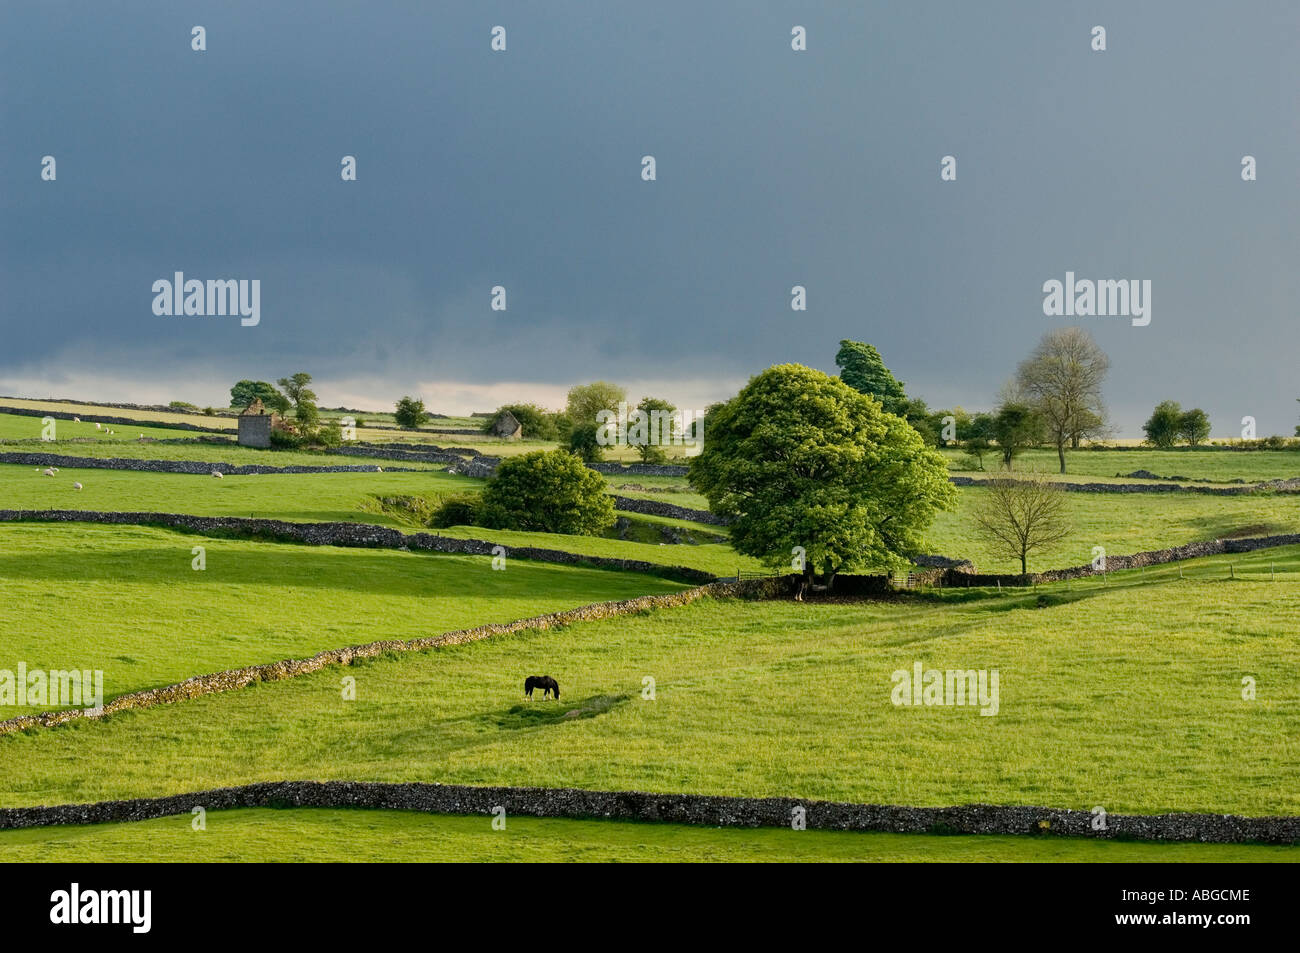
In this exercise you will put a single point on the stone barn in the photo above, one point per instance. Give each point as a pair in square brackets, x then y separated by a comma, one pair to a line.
[255, 426]
[507, 426]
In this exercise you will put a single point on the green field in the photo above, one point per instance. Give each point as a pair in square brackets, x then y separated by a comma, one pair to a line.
[1123, 523]
[125, 600]
[323, 497]
[324, 835]
[1220, 465]
[329, 497]
[71, 434]
[1124, 692]
[1126, 695]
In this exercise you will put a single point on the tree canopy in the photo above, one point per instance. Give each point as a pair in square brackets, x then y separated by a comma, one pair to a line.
[410, 413]
[1062, 380]
[863, 369]
[1194, 426]
[587, 400]
[1016, 427]
[1163, 425]
[547, 491]
[800, 459]
[246, 391]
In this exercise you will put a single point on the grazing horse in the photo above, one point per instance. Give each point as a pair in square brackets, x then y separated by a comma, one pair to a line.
[547, 684]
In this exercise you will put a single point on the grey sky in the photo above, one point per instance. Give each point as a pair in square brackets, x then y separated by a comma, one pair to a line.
[522, 168]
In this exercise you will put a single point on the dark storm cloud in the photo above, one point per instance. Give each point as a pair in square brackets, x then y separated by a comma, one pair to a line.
[775, 168]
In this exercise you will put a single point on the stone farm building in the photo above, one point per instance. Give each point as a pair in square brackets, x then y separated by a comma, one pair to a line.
[255, 426]
[508, 426]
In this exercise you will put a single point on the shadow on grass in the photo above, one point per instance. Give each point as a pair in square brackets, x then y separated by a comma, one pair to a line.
[540, 713]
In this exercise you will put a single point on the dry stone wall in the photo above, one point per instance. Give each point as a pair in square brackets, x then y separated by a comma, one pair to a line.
[365, 535]
[960, 576]
[710, 810]
[1276, 486]
[415, 456]
[641, 469]
[656, 508]
[290, 668]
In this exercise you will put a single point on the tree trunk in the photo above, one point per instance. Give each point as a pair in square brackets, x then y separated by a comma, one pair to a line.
[1024, 571]
[1060, 452]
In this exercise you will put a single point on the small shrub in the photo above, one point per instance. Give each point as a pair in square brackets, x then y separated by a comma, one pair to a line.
[583, 443]
[331, 435]
[410, 413]
[549, 492]
[459, 510]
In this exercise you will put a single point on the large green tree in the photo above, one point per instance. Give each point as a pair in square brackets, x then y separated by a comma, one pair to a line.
[1062, 380]
[863, 369]
[547, 491]
[246, 391]
[1016, 427]
[1164, 423]
[303, 398]
[1194, 426]
[410, 413]
[659, 426]
[799, 461]
[587, 400]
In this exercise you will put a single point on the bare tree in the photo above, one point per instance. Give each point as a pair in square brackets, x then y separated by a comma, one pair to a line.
[1062, 378]
[1018, 516]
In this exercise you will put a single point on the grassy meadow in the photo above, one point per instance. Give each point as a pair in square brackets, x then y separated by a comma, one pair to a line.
[1205, 464]
[1121, 522]
[126, 600]
[1127, 695]
[311, 497]
[321, 835]
[1124, 692]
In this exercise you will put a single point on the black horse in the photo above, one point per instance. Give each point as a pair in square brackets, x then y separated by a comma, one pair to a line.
[547, 684]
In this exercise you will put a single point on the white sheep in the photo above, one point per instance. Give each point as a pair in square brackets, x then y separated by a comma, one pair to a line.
[217, 474]
[97, 426]
[76, 420]
[379, 469]
[76, 486]
[49, 472]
